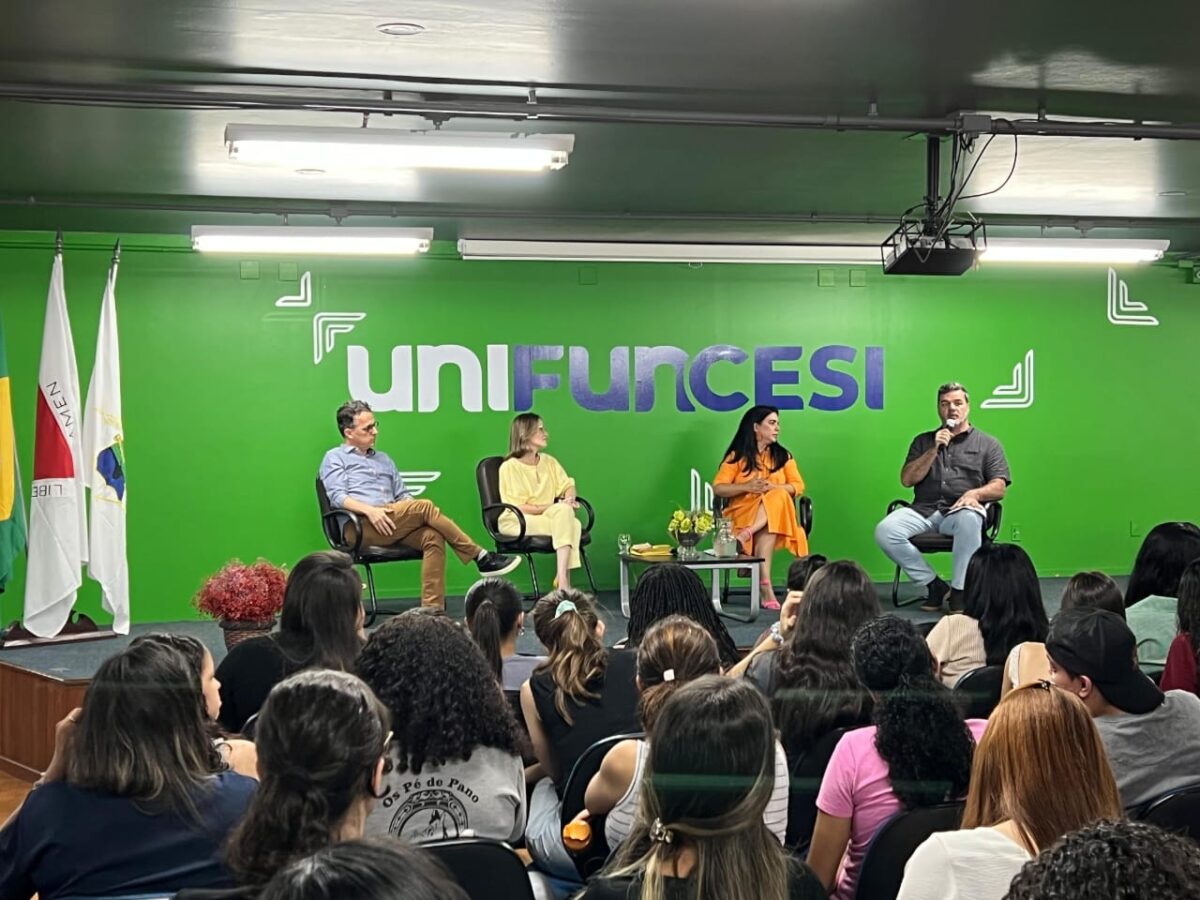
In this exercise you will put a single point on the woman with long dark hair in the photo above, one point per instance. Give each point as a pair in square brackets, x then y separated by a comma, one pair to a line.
[669, 589]
[810, 680]
[456, 753]
[759, 480]
[137, 799]
[495, 613]
[917, 753]
[580, 694]
[536, 483]
[709, 777]
[1040, 772]
[320, 627]
[1180, 673]
[1151, 597]
[1002, 608]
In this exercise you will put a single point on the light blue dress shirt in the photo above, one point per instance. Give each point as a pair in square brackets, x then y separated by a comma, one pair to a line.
[372, 478]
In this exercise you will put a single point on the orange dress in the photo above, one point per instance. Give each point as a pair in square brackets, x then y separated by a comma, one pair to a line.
[781, 508]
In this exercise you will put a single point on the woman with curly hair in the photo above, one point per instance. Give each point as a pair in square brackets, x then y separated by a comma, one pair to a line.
[320, 627]
[670, 589]
[918, 752]
[1040, 771]
[1002, 602]
[809, 680]
[582, 693]
[456, 752]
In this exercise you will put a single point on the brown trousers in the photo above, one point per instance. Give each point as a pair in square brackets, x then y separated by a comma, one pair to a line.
[420, 524]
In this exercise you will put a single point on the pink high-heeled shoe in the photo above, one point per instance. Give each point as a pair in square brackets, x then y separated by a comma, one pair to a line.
[768, 598]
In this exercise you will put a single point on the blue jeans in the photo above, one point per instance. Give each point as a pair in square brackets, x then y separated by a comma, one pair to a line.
[543, 833]
[893, 536]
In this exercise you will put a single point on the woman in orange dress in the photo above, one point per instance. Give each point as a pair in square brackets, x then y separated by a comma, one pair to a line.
[760, 482]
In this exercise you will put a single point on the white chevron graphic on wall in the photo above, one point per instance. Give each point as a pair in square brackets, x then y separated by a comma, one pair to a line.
[1122, 310]
[326, 326]
[1019, 393]
[301, 300]
[701, 494]
[416, 482]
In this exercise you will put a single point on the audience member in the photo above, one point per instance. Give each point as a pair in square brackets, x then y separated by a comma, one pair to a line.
[322, 739]
[799, 573]
[582, 693]
[918, 752]
[710, 775]
[136, 800]
[239, 755]
[320, 627]
[1002, 603]
[810, 680]
[669, 589]
[371, 869]
[674, 652]
[1150, 598]
[1040, 771]
[1180, 672]
[456, 755]
[536, 483]
[495, 615]
[1112, 861]
[1152, 738]
[1027, 662]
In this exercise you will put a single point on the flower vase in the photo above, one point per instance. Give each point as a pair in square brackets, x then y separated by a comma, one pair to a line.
[236, 630]
[686, 551]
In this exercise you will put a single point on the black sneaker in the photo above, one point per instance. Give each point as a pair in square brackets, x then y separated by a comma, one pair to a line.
[938, 591]
[497, 563]
[957, 603]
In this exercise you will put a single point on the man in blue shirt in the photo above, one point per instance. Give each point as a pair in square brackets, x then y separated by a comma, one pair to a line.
[359, 478]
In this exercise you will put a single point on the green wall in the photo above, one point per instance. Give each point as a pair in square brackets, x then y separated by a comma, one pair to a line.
[227, 415]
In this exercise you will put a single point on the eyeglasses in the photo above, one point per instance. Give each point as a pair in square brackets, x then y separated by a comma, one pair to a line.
[374, 426]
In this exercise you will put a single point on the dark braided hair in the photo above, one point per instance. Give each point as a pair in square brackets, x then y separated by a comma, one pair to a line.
[920, 732]
[670, 589]
[320, 736]
[443, 698]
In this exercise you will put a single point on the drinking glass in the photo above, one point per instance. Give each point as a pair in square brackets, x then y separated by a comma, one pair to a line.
[624, 542]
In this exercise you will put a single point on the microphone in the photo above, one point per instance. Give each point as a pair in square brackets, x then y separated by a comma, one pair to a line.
[951, 424]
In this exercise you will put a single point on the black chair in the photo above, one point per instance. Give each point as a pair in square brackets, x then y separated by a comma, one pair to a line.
[804, 515]
[337, 522]
[895, 841]
[935, 542]
[486, 870]
[1177, 810]
[979, 690]
[589, 860]
[804, 784]
[487, 480]
[249, 726]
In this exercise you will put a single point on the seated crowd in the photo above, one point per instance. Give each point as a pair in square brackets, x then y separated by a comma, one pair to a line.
[320, 762]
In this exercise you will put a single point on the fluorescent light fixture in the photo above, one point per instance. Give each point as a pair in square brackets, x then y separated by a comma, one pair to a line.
[1072, 250]
[316, 241]
[594, 251]
[306, 147]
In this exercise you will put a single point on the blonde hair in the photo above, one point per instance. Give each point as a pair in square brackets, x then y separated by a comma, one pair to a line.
[576, 658]
[520, 434]
[1042, 765]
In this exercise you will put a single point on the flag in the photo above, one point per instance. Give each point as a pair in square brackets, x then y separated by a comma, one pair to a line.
[57, 528]
[12, 499]
[104, 456]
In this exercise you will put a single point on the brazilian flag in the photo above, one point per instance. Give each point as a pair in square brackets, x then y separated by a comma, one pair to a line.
[12, 513]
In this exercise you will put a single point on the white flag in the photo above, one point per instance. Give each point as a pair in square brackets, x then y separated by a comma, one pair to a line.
[104, 464]
[57, 527]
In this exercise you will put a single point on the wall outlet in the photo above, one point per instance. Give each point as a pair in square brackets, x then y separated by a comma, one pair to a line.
[1015, 533]
[1135, 529]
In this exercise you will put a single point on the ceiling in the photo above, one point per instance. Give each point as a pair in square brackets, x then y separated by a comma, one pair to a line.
[114, 112]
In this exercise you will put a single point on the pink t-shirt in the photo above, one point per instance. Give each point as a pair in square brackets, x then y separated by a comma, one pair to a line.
[856, 786]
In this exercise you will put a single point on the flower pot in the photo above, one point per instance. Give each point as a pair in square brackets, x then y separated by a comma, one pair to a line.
[686, 551]
[237, 631]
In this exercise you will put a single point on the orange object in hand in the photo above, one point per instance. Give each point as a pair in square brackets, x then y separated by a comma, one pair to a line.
[577, 835]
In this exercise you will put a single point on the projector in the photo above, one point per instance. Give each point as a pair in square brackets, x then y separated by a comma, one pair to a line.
[917, 248]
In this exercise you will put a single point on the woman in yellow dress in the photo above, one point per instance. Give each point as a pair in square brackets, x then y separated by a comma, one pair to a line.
[536, 484]
[759, 480]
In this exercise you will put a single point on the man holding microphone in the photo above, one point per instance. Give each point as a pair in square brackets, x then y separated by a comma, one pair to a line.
[953, 472]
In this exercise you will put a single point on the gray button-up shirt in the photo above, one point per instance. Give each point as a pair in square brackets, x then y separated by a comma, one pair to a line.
[969, 461]
[371, 479]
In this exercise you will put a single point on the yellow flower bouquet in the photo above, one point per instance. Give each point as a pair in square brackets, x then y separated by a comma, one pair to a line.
[688, 527]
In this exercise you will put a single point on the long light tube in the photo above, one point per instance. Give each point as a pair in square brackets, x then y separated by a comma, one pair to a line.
[315, 241]
[307, 147]
[1072, 250]
[596, 251]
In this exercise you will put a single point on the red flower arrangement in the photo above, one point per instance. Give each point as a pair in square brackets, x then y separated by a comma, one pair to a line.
[243, 593]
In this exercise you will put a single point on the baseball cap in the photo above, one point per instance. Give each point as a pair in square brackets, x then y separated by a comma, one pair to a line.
[1097, 643]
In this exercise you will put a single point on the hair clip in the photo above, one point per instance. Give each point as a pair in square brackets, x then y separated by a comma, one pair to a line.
[565, 606]
[1044, 684]
[660, 833]
[669, 675]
